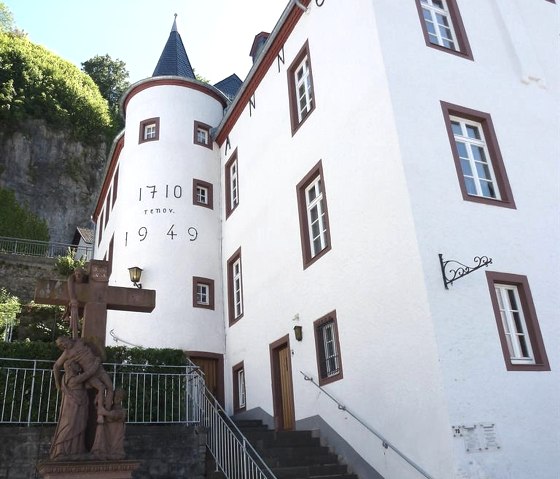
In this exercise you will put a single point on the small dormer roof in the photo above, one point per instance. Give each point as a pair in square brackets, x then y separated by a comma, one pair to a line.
[174, 59]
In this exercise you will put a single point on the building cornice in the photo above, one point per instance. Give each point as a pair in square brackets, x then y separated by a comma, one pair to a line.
[273, 45]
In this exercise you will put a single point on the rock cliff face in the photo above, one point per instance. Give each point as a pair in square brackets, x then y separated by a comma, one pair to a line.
[57, 177]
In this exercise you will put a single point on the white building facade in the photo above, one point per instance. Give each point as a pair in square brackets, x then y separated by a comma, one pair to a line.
[365, 142]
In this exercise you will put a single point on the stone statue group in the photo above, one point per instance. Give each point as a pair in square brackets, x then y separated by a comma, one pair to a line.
[82, 371]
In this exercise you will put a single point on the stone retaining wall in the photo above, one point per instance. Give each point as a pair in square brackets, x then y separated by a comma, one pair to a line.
[19, 274]
[166, 452]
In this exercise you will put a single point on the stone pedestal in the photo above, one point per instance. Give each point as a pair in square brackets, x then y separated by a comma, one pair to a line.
[87, 469]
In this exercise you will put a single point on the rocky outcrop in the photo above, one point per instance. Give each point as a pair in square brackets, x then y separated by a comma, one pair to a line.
[54, 175]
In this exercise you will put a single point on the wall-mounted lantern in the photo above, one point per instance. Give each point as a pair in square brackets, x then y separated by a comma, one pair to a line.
[135, 275]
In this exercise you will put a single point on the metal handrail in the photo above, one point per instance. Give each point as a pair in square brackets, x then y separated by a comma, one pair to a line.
[233, 453]
[155, 394]
[384, 442]
[47, 249]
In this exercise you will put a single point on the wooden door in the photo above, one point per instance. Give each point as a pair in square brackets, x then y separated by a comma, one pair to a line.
[282, 387]
[213, 374]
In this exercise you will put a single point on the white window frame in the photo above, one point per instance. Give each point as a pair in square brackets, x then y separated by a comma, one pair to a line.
[150, 131]
[241, 394]
[331, 355]
[514, 324]
[203, 291]
[303, 89]
[237, 285]
[202, 135]
[316, 204]
[202, 194]
[234, 185]
[469, 144]
[433, 11]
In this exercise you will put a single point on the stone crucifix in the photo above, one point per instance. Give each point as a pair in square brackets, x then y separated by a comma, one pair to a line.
[93, 293]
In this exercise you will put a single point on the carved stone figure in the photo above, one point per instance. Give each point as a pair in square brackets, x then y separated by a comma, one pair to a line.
[79, 352]
[72, 310]
[109, 435]
[69, 437]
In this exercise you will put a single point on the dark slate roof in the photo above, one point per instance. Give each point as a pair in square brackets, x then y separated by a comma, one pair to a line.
[229, 86]
[83, 233]
[174, 59]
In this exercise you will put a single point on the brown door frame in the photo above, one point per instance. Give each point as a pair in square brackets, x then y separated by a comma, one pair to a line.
[279, 420]
[220, 359]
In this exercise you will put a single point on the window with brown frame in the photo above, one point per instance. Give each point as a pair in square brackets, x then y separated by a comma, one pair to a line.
[203, 293]
[202, 134]
[107, 207]
[478, 161]
[115, 186]
[443, 27]
[313, 216]
[300, 88]
[517, 323]
[232, 184]
[203, 193]
[239, 390]
[100, 223]
[327, 347]
[235, 287]
[149, 130]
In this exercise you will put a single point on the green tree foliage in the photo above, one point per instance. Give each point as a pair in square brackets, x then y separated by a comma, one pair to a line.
[6, 19]
[111, 76]
[40, 322]
[18, 221]
[35, 83]
[9, 309]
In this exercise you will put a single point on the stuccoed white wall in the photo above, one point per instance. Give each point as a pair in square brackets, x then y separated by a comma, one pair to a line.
[522, 405]
[372, 276]
[168, 264]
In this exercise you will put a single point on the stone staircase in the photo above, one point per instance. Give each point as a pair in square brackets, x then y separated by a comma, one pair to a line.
[293, 454]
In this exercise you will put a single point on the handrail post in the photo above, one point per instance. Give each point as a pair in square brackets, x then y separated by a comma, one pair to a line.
[32, 391]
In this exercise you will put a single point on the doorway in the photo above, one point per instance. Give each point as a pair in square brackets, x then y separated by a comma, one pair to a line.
[212, 365]
[282, 387]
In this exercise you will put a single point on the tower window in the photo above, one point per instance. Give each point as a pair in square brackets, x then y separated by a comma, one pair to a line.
[149, 130]
[202, 134]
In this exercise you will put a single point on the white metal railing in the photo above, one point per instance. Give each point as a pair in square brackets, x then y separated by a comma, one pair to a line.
[233, 454]
[384, 442]
[46, 249]
[155, 394]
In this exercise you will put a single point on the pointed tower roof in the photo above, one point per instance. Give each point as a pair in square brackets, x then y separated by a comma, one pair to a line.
[174, 59]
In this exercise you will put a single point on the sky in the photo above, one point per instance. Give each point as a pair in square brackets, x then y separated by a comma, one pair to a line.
[217, 34]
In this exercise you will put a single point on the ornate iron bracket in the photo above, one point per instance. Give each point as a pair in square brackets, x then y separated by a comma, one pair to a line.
[457, 272]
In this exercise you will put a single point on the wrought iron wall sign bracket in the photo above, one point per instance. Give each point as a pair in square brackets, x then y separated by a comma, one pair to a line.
[457, 270]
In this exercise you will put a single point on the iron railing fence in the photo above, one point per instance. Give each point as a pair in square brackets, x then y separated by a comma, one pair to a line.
[231, 450]
[155, 394]
[46, 249]
[384, 442]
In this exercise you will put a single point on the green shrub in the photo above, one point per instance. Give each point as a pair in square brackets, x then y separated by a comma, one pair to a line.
[66, 265]
[17, 221]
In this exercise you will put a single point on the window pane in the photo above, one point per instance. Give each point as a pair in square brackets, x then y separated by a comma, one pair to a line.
[483, 171]
[456, 128]
[478, 153]
[466, 167]
[462, 150]
[487, 189]
[470, 186]
[472, 132]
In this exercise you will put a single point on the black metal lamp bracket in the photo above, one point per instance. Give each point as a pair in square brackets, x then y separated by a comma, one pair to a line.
[452, 270]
